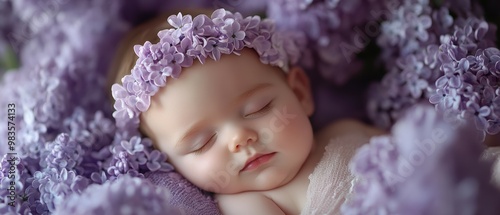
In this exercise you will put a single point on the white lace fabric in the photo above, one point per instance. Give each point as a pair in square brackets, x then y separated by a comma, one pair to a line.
[331, 181]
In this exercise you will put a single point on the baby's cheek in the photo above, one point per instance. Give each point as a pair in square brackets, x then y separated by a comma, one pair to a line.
[295, 121]
[298, 132]
[215, 174]
[280, 121]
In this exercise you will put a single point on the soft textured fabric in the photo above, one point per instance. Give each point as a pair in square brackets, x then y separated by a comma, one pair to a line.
[187, 197]
[331, 181]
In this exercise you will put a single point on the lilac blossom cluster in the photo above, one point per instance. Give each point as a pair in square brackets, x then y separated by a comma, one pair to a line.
[470, 84]
[422, 48]
[117, 196]
[410, 26]
[403, 86]
[335, 31]
[424, 167]
[21, 198]
[87, 155]
[408, 42]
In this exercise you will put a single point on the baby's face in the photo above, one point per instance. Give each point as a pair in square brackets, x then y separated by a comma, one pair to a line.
[217, 116]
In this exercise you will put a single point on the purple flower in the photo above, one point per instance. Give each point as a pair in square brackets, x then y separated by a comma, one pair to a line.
[445, 99]
[478, 114]
[121, 164]
[186, 44]
[467, 91]
[468, 36]
[462, 68]
[149, 53]
[133, 146]
[334, 33]
[407, 29]
[126, 195]
[379, 152]
[175, 60]
[406, 84]
[453, 74]
[20, 176]
[55, 185]
[98, 177]
[424, 167]
[234, 33]
[145, 80]
[473, 90]
[102, 128]
[180, 22]
[63, 153]
[415, 85]
[215, 47]
[157, 161]
[201, 26]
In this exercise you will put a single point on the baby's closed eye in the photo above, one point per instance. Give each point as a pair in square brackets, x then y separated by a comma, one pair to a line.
[259, 109]
[204, 144]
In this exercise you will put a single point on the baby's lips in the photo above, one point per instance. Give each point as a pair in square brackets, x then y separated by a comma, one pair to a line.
[256, 160]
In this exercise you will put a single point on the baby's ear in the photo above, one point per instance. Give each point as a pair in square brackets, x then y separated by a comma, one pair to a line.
[299, 83]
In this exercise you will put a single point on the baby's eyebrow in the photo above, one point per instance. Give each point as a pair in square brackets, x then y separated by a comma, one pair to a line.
[198, 125]
[250, 92]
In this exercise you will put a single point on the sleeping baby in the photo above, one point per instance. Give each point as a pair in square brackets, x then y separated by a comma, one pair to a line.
[222, 97]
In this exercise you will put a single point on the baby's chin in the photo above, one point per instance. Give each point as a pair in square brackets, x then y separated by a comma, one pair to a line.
[269, 179]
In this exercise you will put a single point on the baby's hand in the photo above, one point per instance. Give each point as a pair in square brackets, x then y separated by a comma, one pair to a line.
[248, 203]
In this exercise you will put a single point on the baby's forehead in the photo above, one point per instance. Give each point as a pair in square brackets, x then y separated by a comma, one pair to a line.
[210, 86]
[230, 71]
[222, 86]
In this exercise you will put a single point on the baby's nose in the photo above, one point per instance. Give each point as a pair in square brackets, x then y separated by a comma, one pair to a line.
[241, 138]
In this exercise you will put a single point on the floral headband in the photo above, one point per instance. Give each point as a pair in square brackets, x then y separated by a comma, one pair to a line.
[190, 39]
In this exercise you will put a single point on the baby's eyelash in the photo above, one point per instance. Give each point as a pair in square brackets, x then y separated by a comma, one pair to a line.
[264, 109]
[205, 146]
[267, 107]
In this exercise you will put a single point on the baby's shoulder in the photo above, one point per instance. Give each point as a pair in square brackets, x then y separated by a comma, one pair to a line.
[348, 127]
[247, 203]
[346, 131]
